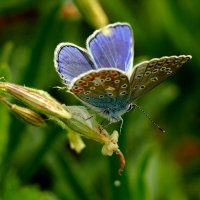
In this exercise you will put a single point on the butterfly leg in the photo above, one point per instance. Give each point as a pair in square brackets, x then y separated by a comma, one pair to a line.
[90, 117]
[60, 88]
[101, 127]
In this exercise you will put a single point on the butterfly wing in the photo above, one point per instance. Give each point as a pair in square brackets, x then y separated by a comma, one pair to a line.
[112, 47]
[70, 61]
[148, 74]
[103, 89]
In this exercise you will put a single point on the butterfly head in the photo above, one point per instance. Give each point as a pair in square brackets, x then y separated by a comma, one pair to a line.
[114, 113]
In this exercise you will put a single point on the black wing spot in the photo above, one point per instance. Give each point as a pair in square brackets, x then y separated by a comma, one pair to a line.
[162, 68]
[108, 79]
[124, 86]
[139, 76]
[87, 92]
[92, 88]
[152, 64]
[117, 81]
[167, 69]
[169, 72]
[123, 77]
[155, 71]
[147, 73]
[154, 79]
[123, 93]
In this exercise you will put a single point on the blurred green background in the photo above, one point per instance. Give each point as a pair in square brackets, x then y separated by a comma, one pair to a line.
[37, 163]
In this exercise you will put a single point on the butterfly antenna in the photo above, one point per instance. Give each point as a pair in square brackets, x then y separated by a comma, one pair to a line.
[151, 120]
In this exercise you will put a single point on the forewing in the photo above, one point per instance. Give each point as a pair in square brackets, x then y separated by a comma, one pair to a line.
[149, 74]
[70, 61]
[103, 88]
[112, 47]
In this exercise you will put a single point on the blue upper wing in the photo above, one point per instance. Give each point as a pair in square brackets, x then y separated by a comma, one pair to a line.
[112, 47]
[71, 61]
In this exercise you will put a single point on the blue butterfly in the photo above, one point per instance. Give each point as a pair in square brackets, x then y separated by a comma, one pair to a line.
[102, 76]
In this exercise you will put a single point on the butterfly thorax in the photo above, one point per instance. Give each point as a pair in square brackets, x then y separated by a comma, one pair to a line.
[114, 113]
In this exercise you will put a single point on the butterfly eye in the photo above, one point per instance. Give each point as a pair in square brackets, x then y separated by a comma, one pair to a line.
[130, 107]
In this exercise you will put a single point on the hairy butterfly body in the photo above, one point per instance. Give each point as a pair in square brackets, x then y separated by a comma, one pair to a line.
[102, 76]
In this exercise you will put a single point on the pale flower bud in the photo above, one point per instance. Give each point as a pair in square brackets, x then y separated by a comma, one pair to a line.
[75, 141]
[28, 115]
[24, 114]
[37, 99]
[111, 145]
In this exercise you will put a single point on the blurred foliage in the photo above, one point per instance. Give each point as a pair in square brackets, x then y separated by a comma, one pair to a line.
[37, 163]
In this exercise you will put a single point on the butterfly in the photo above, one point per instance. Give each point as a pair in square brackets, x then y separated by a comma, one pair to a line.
[102, 77]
